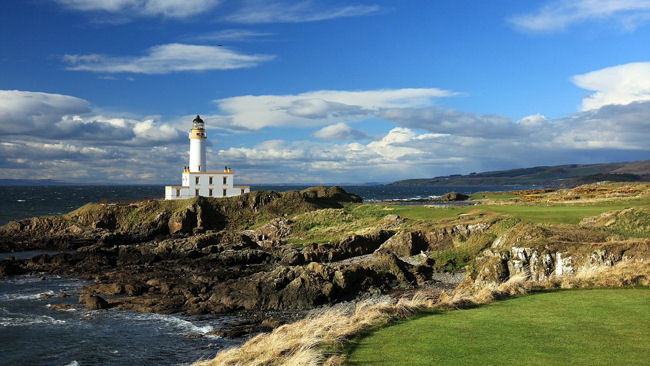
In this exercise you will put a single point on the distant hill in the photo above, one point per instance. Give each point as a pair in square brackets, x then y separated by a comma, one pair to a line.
[551, 176]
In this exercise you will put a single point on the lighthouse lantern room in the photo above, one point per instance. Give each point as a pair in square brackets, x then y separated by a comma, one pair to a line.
[196, 180]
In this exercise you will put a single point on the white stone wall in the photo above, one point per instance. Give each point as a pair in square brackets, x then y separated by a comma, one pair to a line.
[177, 193]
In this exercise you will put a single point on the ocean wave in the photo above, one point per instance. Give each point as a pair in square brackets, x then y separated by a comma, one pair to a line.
[31, 296]
[21, 320]
[73, 363]
[407, 199]
[185, 326]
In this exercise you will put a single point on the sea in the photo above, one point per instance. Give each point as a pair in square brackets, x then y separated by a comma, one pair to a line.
[33, 333]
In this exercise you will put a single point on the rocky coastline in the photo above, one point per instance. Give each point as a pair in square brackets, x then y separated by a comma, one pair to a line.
[268, 258]
[216, 256]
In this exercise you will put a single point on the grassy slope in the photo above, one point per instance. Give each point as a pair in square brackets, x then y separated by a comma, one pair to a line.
[577, 327]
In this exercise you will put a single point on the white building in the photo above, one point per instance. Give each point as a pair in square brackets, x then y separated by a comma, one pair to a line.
[196, 180]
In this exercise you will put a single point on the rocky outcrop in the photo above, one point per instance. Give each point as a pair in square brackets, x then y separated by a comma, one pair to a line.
[351, 246]
[541, 252]
[272, 234]
[142, 221]
[405, 243]
[302, 287]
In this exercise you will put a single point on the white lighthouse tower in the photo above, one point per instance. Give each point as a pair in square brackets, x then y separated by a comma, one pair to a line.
[197, 181]
[197, 145]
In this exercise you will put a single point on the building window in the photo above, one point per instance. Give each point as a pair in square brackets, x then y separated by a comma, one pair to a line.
[210, 193]
[242, 191]
[224, 193]
[196, 180]
[210, 181]
[196, 192]
[178, 192]
[225, 179]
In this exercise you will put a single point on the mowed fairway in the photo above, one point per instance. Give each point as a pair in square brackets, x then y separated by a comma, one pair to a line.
[572, 327]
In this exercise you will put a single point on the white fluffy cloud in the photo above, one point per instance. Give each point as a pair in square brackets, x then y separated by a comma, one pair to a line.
[22, 111]
[317, 108]
[167, 8]
[622, 84]
[282, 11]
[56, 116]
[339, 131]
[167, 58]
[560, 14]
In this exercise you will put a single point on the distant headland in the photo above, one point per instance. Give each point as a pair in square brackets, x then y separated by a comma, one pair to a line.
[569, 175]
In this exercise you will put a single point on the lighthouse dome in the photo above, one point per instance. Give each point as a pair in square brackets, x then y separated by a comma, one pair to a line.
[197, 123]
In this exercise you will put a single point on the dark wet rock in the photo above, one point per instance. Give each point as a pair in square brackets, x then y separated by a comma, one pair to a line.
[94, 302]
[11, 267]
[106, 288]
[61, 307]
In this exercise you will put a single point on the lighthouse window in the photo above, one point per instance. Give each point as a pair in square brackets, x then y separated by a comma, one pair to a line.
[196, 192]
[210, 193]
[225, 179]
[224, 193]
[210, 183]
[196, 180]
[178, 192]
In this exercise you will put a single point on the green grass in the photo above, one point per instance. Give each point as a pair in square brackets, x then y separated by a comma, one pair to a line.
[334, 224]
[561, 213]
[574, 327]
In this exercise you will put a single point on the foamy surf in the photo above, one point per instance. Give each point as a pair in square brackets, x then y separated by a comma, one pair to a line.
[182, 325]
[31, 296]
[21, 320]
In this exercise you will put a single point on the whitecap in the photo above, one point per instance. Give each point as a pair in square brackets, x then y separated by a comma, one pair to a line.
[21, 320]
[31, 296]
[20, 200]
[73, 363]
[183, 325]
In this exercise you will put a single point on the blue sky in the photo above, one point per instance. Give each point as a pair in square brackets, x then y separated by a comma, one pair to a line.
[320, 91]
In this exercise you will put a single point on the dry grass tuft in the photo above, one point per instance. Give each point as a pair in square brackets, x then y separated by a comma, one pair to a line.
[317, 339]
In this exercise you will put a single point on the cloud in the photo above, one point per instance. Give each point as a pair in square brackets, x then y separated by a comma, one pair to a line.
[449, 121]
[56, 116]
[167, 58]
[232, 35]
[622, 84]
[165, 8]
[23, 111]
[317, 108]
[339, 131]
[615, 132]
[269, 11]
[560, 14]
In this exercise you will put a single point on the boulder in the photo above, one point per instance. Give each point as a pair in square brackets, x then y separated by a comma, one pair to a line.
[11, 267]
[183, 221]
[452, 197]
[404, 244]
[94, 302]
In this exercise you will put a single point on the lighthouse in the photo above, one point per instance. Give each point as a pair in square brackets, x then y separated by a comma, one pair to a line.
[197, 145]
[196, 179]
